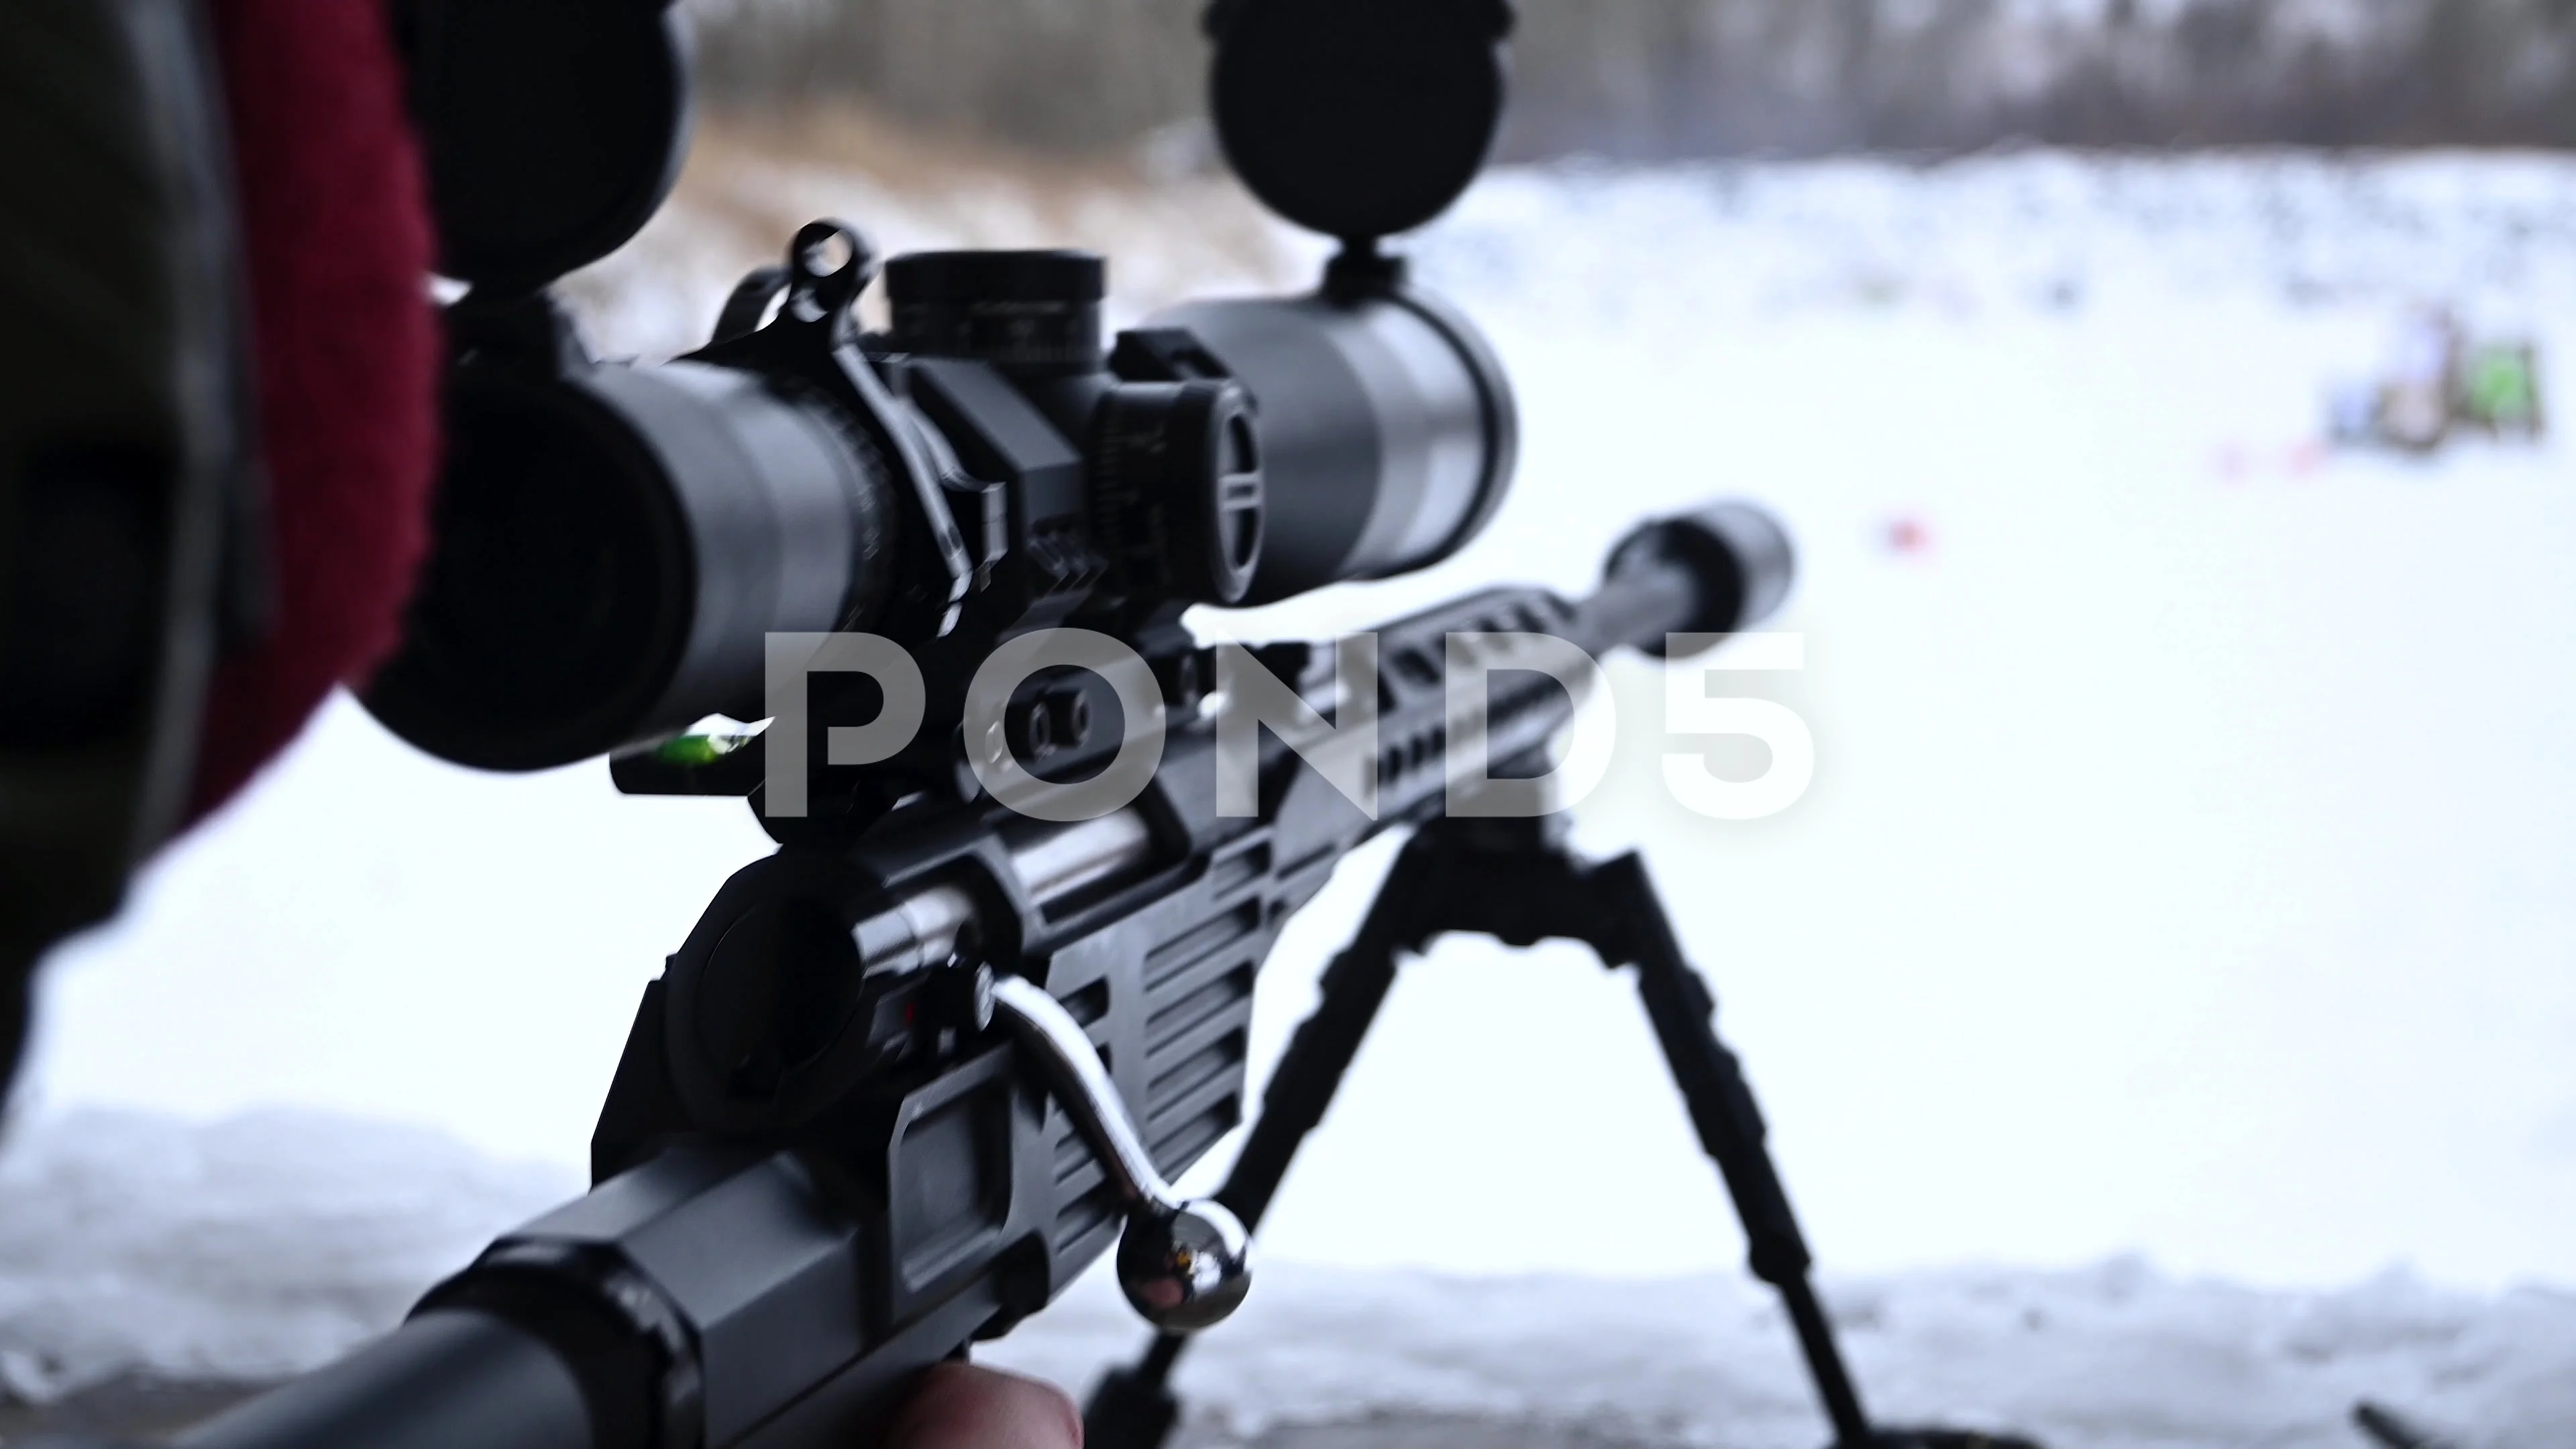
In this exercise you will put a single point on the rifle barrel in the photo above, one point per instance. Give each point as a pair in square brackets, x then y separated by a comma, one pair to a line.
[1721, 569]
[446, 1378]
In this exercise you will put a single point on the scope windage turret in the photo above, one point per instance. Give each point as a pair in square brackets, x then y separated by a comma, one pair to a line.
[615, 542]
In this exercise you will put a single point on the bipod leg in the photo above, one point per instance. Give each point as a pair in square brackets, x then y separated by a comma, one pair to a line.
[1730, 1128]
[1134, 1407]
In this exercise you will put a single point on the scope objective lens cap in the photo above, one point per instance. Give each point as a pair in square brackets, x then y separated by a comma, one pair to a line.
[1359, 119]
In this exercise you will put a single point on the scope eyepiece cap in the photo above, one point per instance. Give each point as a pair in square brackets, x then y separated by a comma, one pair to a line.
[553, 132]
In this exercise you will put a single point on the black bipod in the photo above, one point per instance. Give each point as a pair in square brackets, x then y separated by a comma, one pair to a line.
[1517, 881]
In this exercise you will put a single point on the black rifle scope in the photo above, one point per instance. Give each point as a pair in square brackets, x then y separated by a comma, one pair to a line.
[615, 542]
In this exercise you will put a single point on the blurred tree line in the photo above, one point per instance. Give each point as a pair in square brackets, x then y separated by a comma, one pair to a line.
[1660, 78]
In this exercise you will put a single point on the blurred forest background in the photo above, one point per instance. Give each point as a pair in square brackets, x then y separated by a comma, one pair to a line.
[1658, 79]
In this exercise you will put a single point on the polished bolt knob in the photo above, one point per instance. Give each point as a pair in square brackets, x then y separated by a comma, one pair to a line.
[1184, 1267]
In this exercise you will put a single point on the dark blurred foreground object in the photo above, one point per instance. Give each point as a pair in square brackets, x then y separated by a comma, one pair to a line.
[177, 182]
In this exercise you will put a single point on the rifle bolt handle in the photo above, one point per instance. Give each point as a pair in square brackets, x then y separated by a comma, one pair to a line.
[1183, 1264]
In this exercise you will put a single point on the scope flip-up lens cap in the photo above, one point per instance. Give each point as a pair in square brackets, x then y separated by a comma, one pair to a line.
[1358, 118]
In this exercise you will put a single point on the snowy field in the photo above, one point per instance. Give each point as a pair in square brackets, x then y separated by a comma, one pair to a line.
[270, 1243]
[2182, 888]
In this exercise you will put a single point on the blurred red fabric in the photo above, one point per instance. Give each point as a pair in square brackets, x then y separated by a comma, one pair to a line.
[338, 246]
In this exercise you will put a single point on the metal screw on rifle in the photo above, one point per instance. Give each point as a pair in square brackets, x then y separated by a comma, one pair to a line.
[959, 996]
[1032, 731]
[1059, 719]
[1068, 713]
[1184, 682]
[1183, 1264]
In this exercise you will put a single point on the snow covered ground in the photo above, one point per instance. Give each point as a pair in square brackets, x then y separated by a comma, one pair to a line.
[137, 1248]
[2184, 876]
[235, 1251]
